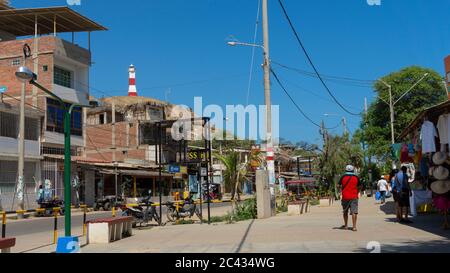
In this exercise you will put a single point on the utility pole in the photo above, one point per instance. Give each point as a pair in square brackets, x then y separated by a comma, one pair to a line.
[269, 145]
[21, 163]
[344, 124]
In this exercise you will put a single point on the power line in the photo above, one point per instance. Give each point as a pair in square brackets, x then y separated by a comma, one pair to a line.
[296, 105]
[337, 79]
[311, 62]
[253, 52]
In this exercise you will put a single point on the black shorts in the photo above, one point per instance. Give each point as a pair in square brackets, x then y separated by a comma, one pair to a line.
[351, 205]
[395, 196]
[403, 199]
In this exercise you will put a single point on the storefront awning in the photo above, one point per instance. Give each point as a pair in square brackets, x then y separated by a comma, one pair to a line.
[136, 173]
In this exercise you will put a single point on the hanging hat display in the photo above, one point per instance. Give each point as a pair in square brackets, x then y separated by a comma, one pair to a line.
[440, 187]
[439, 158]
[440, 173]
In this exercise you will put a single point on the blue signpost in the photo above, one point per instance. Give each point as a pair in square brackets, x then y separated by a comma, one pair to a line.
[3, 89]
[174, 169]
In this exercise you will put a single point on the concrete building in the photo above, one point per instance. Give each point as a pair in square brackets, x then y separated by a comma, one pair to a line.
[61, 66]
[9, 130]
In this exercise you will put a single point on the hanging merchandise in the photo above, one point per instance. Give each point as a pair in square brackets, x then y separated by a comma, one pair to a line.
[439, 158]
[440, 173]
[440, 187]
[424, 166]
[411, 151]
[411, 172]
[428, 134]
[442, 127]
[404, 157]
[396, 150]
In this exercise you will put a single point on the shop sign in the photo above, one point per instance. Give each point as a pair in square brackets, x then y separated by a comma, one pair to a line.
[174, 169]
[197, 156]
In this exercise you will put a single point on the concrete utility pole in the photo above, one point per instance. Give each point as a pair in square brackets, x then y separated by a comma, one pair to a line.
[269, 145]
[21, 163]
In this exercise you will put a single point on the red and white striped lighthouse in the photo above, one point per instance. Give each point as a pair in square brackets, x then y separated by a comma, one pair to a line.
[132, 92]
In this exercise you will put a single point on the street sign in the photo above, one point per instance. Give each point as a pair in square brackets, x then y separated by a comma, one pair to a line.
[203, 172]
[174, 169]
[3, 89]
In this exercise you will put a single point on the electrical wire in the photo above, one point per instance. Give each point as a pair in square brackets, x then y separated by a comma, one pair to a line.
[253, 52]
[311, 62]
[337, 79]
[296, 105]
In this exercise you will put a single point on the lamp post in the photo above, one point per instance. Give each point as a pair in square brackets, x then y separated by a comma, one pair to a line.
[392, 103]
[26, 75]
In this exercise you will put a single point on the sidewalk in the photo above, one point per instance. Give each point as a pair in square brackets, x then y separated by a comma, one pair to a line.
[313, 232]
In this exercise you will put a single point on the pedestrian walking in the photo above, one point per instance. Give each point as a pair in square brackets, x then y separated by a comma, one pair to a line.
[402, 191]
[350, 186]
[382, 186]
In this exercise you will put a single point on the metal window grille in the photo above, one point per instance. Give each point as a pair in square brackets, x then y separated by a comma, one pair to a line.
[62, 77]
[16, 62]
[9, 124]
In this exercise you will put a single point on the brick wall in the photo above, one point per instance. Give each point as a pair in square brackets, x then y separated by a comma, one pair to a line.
[99, 142]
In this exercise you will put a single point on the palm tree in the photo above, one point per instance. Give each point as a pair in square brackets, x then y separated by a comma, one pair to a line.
[235, 171]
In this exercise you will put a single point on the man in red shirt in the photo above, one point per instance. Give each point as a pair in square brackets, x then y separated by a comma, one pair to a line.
[350, 187]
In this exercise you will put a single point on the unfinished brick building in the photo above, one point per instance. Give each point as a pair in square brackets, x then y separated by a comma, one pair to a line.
[29, 37]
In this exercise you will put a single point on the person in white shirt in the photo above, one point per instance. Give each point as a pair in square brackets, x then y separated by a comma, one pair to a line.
[382, 188]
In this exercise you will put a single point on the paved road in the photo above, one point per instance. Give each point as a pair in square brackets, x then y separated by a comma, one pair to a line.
[38, 225]
[317, 231]
[36, 232]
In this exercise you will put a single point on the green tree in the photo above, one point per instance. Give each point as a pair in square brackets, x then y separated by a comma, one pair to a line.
[338, 152]
[427, 93]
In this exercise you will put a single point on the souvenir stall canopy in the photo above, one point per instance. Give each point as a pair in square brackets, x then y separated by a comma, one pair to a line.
[425, 151]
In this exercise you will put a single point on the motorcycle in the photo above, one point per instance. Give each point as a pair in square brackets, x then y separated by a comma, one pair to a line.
[187, 209]
[214, 192]
[140, 214]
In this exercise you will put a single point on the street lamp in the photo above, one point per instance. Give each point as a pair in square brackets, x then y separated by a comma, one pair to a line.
[393, 103]
[25, 75]
[267, 100]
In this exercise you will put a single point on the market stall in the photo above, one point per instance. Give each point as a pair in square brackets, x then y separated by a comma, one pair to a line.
[426, 153]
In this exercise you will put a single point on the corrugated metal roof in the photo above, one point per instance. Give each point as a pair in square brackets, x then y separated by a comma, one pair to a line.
[20, 22]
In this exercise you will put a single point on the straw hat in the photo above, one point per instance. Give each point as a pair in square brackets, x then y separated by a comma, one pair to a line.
[440, 173]
[440, 187]
[439, 158]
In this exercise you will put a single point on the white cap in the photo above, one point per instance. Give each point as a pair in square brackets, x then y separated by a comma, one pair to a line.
[349, 168]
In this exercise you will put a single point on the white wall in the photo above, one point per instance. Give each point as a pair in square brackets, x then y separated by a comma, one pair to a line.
[80, 81]
[57, 138]
[10, 146]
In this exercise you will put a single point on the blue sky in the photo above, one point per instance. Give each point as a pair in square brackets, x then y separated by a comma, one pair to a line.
[181, 45]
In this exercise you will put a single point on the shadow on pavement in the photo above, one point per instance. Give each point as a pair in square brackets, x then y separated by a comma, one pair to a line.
[435, 246]
[431, 223]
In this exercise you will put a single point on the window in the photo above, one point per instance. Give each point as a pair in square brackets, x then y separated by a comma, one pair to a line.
[31, 129]
[45, 68]
[62, 77]
[55, 118]
[101, 118]
[9, 125]
[16, 62]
